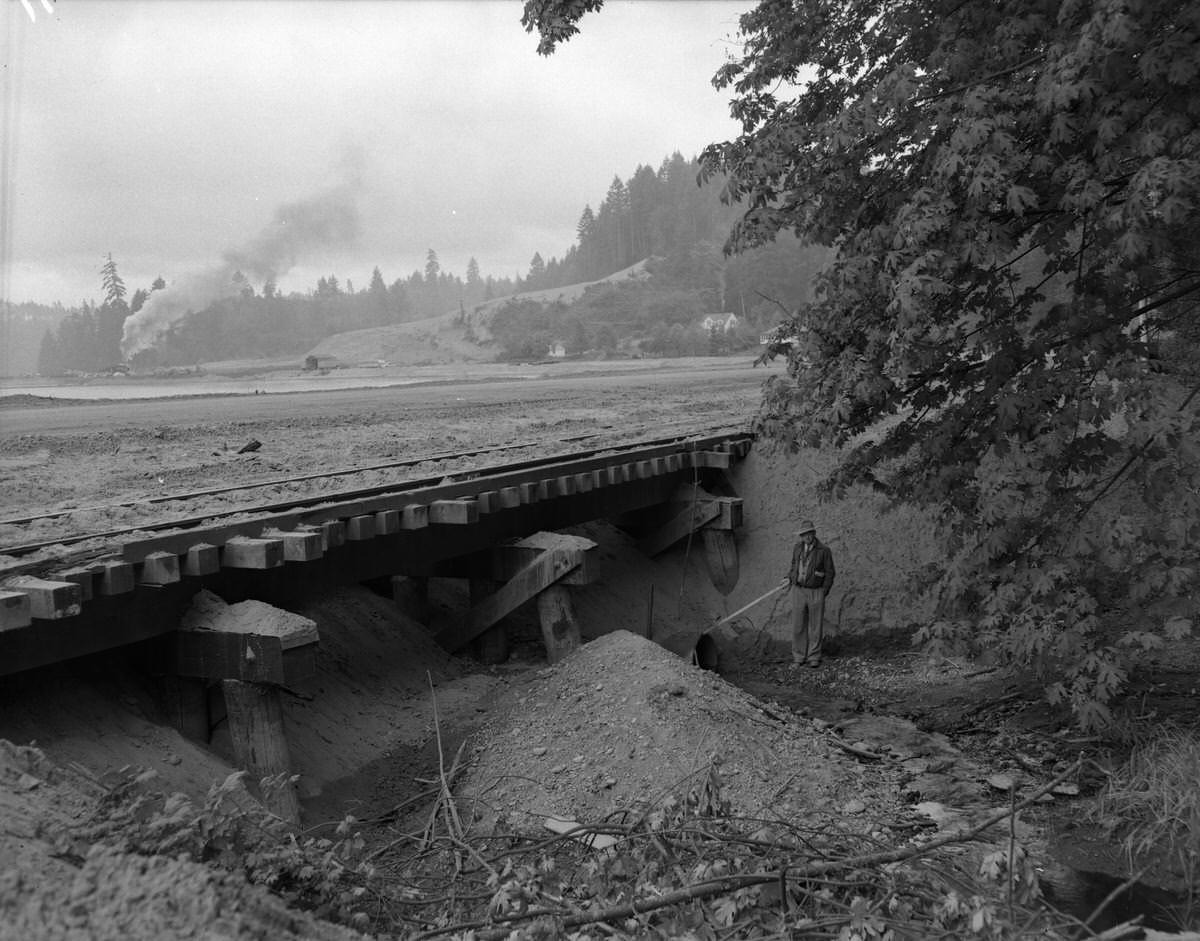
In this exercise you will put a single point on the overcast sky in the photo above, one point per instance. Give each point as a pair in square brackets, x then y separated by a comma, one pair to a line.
[170, 133]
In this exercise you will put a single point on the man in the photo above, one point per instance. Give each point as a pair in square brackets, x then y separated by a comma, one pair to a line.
[811, 577]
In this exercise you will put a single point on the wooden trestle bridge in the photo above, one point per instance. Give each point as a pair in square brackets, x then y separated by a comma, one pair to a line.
[497, 526]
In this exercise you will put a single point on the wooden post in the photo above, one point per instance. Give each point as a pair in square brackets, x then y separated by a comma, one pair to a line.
[492, 645]
[560, 630]
[410, 593]
[187, 706]
[259, 744]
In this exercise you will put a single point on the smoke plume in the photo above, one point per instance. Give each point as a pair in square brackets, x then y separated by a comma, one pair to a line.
[328, 218]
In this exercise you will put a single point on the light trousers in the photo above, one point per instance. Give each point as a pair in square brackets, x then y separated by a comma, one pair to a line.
[808, 622]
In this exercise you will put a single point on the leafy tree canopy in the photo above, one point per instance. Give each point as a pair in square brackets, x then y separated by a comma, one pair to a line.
[1009, 188]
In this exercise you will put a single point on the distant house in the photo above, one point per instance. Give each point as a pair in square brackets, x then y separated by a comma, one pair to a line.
[782, 334]
[722, 322]
[558, 350]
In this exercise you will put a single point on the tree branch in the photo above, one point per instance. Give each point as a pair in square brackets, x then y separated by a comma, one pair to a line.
[715, 887]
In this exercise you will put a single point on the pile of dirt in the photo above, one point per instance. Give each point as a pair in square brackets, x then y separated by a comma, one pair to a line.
[372, 698]
[106, 893]
[622, 724]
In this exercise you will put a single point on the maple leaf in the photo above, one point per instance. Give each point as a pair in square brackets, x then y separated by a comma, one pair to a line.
[1020, 198]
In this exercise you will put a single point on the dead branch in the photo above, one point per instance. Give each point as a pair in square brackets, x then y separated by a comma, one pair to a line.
[728, 884]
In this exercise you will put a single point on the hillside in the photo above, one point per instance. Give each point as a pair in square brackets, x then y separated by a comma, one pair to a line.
[438, 340]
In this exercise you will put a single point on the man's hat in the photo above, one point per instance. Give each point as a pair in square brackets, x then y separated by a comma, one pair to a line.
[806, 526]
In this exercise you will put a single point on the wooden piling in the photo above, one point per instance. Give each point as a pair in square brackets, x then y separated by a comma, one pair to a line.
[492, 645]
[560, 629]
[186, 700]
[259, 744]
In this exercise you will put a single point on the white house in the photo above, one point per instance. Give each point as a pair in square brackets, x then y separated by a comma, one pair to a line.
[722, 322]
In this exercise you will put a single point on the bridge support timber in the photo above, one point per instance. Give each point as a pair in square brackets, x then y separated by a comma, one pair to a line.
[693, 509]
[538, 565]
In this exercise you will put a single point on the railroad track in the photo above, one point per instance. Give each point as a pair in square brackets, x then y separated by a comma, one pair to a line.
[67, 545]
[134, 584]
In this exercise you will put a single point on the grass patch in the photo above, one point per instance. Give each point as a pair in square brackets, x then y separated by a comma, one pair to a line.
[1152, 803]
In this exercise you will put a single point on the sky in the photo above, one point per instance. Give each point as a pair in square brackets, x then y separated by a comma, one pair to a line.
[186, 135]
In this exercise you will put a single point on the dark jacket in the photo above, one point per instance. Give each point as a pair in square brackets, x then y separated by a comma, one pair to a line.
[819, 571]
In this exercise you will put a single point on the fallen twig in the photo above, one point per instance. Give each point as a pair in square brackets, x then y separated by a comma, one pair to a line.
[728, 884]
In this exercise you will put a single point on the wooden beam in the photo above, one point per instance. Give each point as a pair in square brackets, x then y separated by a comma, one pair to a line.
[511, 557]
[453, 512]
[16, 610]
[186, 701]
[81, 576]
[253, 658]
[300, 545]
[48, 600]
[245, 552]
[719, 459]
[360, 528]
[491, 646]
[414, 516]
[202, 559]
[160, 568]
[333, 533]
[544, 571]
[687, 521]
[116, 578]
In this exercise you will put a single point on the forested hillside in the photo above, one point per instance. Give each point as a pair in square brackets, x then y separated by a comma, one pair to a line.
[663, 217]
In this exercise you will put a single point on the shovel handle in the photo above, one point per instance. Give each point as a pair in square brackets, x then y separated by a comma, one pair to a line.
[746, 607]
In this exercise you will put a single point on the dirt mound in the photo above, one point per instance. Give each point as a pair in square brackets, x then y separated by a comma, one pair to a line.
[622, 723]
[117, 896]
[377, 672]
[47, 892]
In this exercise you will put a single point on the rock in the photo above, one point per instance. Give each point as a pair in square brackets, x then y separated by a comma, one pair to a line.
[1066, 789]
[1001, 782]
[854, 806]
[539, 751]
[27, 782]
[915, 765]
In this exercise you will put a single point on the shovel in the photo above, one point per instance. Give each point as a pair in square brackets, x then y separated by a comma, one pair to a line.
[746, 607]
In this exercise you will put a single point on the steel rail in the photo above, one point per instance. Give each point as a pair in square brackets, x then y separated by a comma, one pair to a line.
[303, 478]
[300, 503]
